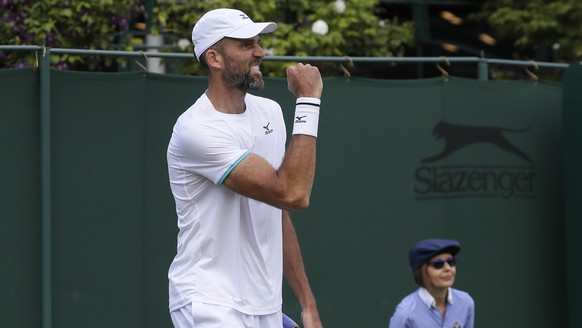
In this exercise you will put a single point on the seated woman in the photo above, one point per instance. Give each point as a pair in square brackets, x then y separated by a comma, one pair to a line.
[435, 303]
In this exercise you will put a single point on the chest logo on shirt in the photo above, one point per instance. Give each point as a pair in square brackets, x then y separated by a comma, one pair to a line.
[267, 129]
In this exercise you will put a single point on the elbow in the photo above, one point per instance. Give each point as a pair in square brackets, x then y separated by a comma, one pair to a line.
[291, 197]
[301, 204]
[296, 202]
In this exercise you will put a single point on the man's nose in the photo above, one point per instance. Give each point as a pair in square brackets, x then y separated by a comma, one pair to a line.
[259, 52]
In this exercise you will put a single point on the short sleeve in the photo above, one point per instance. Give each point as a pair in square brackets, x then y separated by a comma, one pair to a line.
[205, 149]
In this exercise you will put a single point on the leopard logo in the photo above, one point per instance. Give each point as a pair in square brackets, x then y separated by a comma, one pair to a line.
[460, 136]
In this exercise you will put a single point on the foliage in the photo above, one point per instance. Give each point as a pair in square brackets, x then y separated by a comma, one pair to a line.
[356, 31]
[547, 28]
[539, 24]
[108, 24]
[98, 24]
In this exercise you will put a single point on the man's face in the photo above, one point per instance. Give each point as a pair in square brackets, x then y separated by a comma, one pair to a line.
[241, 66]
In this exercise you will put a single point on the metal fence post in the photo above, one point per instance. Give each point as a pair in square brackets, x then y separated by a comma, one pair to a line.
[483, 68]
[45, 174]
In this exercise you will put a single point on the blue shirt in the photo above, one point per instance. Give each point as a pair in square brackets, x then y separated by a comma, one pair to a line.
[418, 310]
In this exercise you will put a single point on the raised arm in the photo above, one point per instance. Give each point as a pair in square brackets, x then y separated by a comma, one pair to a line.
[288, 187]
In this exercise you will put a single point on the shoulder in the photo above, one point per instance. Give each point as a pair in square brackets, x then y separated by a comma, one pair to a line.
[409, 303]
[199, 126]
[201, 109]
[261, 102]
[405, 311]
[200, 116]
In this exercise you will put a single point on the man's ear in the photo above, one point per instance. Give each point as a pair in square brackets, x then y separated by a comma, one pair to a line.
[213, 58]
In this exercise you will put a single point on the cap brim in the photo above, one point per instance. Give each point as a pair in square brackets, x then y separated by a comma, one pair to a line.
[453, 250]
[251, 30]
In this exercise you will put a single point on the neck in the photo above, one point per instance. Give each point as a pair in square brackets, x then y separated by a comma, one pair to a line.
[440, 295]
[225, 100]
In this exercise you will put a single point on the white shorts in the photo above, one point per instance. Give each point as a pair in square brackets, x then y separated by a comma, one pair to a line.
[203, 315]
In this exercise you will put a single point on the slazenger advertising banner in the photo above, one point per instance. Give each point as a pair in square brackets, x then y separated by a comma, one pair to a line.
[437, 178]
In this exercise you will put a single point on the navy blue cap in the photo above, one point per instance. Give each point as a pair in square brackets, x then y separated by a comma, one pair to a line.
[425, 250]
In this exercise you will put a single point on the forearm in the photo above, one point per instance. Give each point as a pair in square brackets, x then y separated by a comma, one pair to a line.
[298, 167]
[289, 187]
[298, 170]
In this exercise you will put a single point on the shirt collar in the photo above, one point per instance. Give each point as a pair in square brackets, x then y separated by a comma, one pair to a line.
[427, 298]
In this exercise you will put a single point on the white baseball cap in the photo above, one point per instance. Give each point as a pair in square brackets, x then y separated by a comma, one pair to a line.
[220, 23]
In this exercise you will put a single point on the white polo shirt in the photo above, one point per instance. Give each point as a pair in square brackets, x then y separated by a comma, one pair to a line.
[229, 246]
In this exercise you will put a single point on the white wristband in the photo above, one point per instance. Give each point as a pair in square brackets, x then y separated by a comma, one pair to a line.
[306, 119]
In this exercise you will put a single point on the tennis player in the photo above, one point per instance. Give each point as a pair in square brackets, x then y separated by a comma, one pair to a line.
[234, 184]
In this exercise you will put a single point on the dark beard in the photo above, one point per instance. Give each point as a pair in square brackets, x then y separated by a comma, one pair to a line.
[243, 81]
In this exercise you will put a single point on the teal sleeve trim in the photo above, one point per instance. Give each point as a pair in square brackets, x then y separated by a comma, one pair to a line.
[232, 168]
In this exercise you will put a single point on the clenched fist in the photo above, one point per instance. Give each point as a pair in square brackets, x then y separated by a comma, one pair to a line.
[304, 80]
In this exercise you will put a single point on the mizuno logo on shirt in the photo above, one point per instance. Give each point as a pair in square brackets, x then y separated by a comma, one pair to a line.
[266, 127]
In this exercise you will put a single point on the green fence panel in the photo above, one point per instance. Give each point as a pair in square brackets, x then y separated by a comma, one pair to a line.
[98, 175]
[19, 199]
[493, 181]
[572, 180]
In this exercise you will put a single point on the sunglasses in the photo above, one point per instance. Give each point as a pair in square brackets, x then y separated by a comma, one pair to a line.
[439, 264]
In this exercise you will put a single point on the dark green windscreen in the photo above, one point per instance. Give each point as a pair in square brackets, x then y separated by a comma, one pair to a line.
[20, 241]
[572, 98]
[493, 181]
